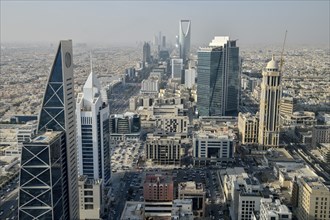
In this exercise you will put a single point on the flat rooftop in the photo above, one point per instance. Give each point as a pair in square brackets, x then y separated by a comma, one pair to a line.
[46, 137]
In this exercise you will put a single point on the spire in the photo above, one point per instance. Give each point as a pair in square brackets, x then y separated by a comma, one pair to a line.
[91, 61]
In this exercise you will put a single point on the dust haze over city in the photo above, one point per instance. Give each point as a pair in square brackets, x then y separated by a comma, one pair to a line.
[165, 110]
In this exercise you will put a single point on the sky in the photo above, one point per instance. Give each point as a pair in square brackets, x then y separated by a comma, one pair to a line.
[128, 22]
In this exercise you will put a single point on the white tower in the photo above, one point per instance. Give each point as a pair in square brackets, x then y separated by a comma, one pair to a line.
[92, 114]
[271, 92]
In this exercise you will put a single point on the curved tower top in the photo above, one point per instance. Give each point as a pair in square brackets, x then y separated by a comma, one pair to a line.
[272, 65]
[184, 39]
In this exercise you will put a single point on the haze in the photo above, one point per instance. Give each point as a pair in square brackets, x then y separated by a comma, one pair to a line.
[128, 22]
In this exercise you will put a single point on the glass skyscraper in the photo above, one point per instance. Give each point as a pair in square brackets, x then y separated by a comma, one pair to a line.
[218, 73]
[57, 114]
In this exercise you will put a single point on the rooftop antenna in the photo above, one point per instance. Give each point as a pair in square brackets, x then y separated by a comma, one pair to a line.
[91, 60]
[282, 60]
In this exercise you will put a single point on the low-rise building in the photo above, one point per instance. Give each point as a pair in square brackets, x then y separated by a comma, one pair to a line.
[163, 149]
[273, 209]
[90, 198]
[158, 188]
[195, 192]
[313, 199]
[248, 126]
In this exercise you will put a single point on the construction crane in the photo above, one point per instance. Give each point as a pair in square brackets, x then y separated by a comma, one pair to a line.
[282, 60]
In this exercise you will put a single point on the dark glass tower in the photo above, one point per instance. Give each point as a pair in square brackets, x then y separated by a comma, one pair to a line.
[146, 53]
[42, 182]
[218, 78]
[57, 114]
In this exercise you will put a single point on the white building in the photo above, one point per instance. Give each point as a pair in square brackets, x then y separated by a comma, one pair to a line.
[92, 113]
[150, 86]
[242, 192]
[217, 147]
[177, 67]
[271, 209]
[190, 77]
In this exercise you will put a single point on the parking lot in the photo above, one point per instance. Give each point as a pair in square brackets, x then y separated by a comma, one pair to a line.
[9, 201]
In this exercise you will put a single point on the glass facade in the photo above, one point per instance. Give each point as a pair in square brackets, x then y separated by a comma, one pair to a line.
[41, 179]
[49, 169]
[218, 80]
[52, 112]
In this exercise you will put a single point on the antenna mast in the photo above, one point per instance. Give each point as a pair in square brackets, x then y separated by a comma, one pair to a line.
[282, 60]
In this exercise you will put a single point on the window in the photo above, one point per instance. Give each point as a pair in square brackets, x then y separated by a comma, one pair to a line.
[88, 206]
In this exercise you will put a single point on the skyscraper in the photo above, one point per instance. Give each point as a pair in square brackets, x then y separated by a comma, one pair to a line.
[218, 73]
[57, 114]
[146, 53]
[92, 114]
[271, 92]
[184, 39]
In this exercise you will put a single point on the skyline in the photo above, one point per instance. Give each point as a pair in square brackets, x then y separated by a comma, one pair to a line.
[129, 22]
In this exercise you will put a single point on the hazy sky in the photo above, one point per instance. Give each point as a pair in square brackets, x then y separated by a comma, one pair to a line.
[251, 22]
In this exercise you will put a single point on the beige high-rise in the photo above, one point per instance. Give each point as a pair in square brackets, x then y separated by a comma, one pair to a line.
[271, 92]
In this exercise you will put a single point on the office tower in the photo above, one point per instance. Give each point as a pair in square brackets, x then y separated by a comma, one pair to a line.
[158, 188]
[164, 42]
[146, 53]
[184, 39]
[57, 114]
[218, 82]
[313, 199]
[177, 67]
[92, 114]
[271, 92]
[43, 180]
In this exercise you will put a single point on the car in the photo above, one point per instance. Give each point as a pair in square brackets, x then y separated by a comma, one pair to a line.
[12, 207]
[1, 212]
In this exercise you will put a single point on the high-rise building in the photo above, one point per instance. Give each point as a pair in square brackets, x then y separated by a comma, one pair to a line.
[93, 114]
[43, 182]
[177, 67]
[184, 39]
[164, 43]
[269, 115]
[57, 114]
[146, 53]
[218, 80]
